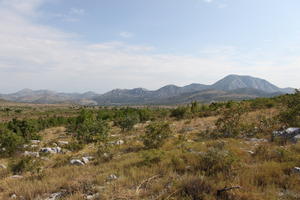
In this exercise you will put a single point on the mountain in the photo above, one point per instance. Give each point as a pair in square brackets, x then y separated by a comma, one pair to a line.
[232, 82]
[231, 87]
[49, 97]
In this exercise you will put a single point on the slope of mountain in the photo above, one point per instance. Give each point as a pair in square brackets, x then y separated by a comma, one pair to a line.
[232, 82]
[232, 87]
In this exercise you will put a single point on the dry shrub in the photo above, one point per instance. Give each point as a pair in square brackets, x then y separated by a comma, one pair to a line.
[197, 188]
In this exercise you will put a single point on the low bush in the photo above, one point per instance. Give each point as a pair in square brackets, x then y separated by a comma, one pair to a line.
[152, 156]
[181, 112]
[88, 128]
[156, 134]
[10, 142]
[216, 161]
[228, 124]
[74, 145]
[25, 164]
[197, 188]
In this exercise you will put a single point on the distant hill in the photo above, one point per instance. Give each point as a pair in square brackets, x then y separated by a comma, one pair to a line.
[233, 82]
[231, 87]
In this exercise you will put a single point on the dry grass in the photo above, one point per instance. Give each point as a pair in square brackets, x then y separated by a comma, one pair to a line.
[177, 174]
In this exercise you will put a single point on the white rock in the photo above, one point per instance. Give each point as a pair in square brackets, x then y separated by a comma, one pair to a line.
[54, 196]
[91, 197]
[33, 154]
[119, 142]
[35, 141]
[2, 166]
[296, 170]
[250, 152]
[13, 196]
[85, 160]
[63, 142]
[76, 162]
[112, 177]
[16, 176]
[52, 150]
[106, 155]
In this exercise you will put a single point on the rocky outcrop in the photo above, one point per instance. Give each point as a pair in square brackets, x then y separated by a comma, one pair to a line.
[291, 134]
[51, 150]
[80, 162]
[76, 162]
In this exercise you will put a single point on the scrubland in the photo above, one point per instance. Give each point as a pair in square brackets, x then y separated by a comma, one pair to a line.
[217, 151]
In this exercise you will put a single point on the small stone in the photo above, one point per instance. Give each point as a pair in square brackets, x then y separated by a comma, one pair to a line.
[55, 196]
[119, 142]
[2, 166]
[16, 176]
[63, 142]
[93, 196]
[77, 162]
[296, 170]
[112, 177]
[85, 160]
[13, 196]
[250, 152]
[52, 150]
[35, 141]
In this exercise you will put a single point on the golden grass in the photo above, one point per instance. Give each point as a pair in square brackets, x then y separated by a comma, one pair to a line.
[259, 179]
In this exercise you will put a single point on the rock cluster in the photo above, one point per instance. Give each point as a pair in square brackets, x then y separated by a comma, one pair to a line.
[80, 162]
[292, 134]
[52, 150]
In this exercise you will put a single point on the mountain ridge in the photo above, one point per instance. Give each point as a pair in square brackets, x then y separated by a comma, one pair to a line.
[231, 87]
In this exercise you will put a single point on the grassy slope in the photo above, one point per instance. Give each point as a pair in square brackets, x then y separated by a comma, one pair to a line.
[259, 178]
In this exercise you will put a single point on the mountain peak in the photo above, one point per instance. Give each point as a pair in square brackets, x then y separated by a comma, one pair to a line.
[233, 82]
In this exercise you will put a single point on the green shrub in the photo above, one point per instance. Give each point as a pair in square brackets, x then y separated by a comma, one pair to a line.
[228, 124]
[156, 134]
[88, 128]
[216, 161]
[26, 128]
[152, 156]
[127, 122]
[181, 112]
[25, 164]
[74, 145]
[104, 152]
[10, 142]
[266, 153]
[290, 116]
[145, 114]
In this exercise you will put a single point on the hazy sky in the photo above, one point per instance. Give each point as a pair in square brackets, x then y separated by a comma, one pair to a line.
[98, 45]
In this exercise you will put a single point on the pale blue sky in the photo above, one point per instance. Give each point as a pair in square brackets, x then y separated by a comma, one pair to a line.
[80, 45]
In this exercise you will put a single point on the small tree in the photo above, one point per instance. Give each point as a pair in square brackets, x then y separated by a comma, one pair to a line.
[127, 122]
[181, 112]
[156, 134]
[195, 108]
[228, 125]
[10, 142]
[89, 129]
[291, 115]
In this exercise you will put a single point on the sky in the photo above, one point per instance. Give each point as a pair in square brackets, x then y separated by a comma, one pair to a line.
[99, 45]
